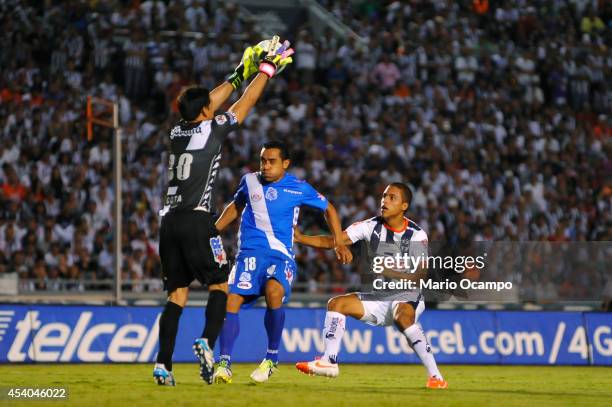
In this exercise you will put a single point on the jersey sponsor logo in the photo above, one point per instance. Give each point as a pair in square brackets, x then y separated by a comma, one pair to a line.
[221, 119]
[376, 233]
[271, 194]
[245, 285]
[244, 277]
[177, 132]
[216, 246]
[292, 191]
[271, 270]
[255, 197]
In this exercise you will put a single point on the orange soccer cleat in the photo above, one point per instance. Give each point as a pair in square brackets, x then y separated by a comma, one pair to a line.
[435, 382]
[318, 368]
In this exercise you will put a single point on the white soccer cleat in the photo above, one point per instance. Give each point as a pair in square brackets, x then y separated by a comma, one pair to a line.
[264, 371]
[318, 368]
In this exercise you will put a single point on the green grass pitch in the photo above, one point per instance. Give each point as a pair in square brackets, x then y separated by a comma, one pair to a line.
[358, 385]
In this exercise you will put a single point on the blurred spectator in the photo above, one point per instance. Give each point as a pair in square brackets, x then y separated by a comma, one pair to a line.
[306, 59]
[499, 121]
[385, 74]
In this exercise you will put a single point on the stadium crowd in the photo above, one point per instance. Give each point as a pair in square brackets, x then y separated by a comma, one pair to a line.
[498, 118]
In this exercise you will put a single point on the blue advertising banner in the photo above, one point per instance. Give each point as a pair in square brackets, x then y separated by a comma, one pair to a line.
[541, 338]
[42, 333]
[599, 334]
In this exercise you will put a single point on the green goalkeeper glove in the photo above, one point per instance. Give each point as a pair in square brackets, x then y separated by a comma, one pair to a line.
[247, 67]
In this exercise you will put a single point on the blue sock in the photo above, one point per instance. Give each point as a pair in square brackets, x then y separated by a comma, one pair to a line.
[229, 333]
[274, 322]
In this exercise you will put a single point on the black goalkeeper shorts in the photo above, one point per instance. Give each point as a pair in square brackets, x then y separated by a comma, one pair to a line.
[190, 249]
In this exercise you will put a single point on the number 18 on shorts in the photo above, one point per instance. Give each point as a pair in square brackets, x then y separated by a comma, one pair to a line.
[252, 270]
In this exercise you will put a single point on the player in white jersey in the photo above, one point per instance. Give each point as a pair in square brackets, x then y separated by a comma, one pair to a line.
[390, 235]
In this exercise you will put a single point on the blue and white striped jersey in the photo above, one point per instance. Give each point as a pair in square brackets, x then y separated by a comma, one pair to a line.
[271, 210]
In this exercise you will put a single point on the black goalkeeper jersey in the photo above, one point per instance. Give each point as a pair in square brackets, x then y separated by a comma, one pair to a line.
[193, 162]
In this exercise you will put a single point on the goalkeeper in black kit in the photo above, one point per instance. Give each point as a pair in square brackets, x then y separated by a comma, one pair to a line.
[190, 246]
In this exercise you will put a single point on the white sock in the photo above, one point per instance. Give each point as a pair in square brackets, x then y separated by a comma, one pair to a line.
[332, 334]
[418, 342]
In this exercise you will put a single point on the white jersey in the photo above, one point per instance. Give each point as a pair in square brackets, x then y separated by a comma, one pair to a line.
[384, 241]
[409, 242]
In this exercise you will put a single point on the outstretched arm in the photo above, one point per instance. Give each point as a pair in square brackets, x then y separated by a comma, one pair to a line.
[219, 95]
[319, 241]
[248, 67]
[230, 214]
[343, 254]
[276, 59]
[250, 96]
[338, 240]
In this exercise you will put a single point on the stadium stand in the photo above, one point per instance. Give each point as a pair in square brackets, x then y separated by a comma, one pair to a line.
[500, 122]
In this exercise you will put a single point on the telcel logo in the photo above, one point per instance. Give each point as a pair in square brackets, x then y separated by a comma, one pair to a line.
[58, 342]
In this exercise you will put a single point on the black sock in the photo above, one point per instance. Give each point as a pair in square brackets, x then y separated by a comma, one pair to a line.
[168, 327]
[215, 314]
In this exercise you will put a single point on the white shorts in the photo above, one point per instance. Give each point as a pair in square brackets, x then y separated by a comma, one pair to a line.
[380, 313]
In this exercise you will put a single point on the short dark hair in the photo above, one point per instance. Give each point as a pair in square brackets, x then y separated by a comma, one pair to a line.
[191, 101]
[406, 192]
[284, 150]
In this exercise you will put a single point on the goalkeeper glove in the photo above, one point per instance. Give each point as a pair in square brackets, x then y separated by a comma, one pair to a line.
[277, 59]
[247, 67]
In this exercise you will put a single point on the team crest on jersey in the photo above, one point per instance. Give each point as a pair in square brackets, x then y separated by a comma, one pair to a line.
[271, 270]
[288, 272]
[216, 246]
[221, 119]
[271, 194]
[255, 197]
[244, 276]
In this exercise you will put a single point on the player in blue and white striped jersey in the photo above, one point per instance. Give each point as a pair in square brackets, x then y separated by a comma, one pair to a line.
[269, 202]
